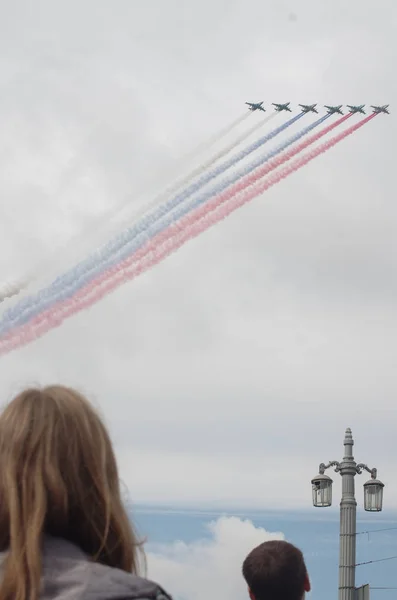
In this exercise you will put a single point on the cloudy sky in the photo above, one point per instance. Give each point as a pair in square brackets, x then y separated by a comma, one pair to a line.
[230, 371]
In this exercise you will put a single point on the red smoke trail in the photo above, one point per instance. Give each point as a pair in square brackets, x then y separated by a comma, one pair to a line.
[157, 250]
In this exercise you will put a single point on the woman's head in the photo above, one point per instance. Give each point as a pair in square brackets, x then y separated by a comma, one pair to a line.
[58, 475]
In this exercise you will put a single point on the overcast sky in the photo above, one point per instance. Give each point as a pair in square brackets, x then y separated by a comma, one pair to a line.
[231, 370]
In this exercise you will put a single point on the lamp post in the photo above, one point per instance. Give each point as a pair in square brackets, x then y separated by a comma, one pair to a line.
[322, 497]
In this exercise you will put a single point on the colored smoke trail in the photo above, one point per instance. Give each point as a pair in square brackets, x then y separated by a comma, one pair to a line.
[140, 240]
[158, 249]
[125, 237]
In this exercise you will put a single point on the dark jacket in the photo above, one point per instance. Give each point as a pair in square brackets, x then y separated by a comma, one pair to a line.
[68, 574]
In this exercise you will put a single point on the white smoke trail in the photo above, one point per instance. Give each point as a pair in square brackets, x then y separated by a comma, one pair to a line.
[218, 136]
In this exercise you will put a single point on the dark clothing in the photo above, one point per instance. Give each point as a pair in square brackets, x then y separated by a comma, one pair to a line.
[68, 574]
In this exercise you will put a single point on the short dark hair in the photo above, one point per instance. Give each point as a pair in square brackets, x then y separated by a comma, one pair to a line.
[275, 570]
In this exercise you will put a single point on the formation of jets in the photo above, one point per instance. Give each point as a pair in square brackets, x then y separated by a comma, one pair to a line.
[312, 108]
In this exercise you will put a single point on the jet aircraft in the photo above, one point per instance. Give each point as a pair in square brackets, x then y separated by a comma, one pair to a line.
[356, 109]
[309, 108]
[280, 107]
[381, 109]
[255, 106]
[334, 109]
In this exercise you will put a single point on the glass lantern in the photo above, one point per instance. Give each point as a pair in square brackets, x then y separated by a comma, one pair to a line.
[322, 490]
[373, 495]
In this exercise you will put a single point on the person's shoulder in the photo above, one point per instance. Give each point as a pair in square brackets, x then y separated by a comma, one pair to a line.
[68, 573]
[113, 584]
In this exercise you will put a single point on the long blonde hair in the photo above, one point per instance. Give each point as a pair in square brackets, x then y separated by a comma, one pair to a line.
[58, 476]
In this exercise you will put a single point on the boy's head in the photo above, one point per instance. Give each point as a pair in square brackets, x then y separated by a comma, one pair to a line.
[276, 570]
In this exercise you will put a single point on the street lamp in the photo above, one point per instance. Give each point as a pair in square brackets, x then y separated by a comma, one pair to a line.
[373, 493]
[322, 489]
[322, 497]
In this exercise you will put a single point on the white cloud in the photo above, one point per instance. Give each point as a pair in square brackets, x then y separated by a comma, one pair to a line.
[208, 568]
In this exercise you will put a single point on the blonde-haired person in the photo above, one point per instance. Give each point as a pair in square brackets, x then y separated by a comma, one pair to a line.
[64, 532]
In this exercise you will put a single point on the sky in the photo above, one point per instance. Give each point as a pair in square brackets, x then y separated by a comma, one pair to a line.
[231, 370]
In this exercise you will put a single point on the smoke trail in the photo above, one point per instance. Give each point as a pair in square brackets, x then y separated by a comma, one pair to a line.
[44, 302]
[158, 249]
[136, 243]
[133, 246]
[116, 244]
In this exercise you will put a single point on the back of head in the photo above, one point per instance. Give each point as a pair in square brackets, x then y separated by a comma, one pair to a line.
[58, 476]
[276, 570]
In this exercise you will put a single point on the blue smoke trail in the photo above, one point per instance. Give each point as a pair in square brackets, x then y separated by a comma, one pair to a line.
[117, 243]
[133, 245]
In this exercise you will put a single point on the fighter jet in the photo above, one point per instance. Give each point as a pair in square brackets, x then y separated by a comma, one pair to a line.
[308, 108]
[334, 109]
[255, 106]
[381, 109]
[280, 107]
[356, 109]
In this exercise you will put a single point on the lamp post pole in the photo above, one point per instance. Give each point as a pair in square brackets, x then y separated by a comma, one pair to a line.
[322, 497]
